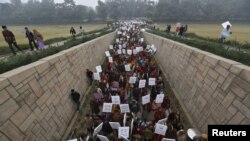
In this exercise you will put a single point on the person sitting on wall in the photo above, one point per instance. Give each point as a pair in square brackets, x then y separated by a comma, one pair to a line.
[76, 98]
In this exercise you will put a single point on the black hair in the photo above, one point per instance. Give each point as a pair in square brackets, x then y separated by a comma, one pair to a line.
[72, 90]
[4, 26]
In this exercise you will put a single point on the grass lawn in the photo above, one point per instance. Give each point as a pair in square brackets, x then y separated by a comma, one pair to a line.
[241, 32]
[48, 31]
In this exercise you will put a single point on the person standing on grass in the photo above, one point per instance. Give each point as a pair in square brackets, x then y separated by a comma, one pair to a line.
[72, 32]
[39, 38]
[225, 34]
[31, 39]
[10, 39]
[81, 31]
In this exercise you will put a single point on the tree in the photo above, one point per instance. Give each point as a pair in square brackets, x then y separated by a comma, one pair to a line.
[101, 10]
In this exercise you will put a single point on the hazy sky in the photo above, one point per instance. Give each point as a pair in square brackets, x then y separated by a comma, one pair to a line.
[91, 3]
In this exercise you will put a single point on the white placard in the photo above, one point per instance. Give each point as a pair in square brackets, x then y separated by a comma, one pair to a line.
[98, 68]
[139, 49]
[162, 121]
[87, 139]
[142, 39]
[97, 76]
[110, 59]
[111, 47]
[120, 46]
[224, 25]
[107, 53]
[117, 40]
[123, 51]
[116, 99]
[115, 125]
[124, 108]
[167, 139]
[97, 129]
[102, 138]
[124, 45]
[129, 51]
[151, 81]
[148, 46]
[119, 32]
[132, 80]
[153, 48]
[127, 68]
[119, 51]
[160, 129]
[134, 51]
[128, 37]
[107, 107]
[123, 131]
[142, 83]
[159, 98]
[124, 119]
[72, 140]
[146, 99]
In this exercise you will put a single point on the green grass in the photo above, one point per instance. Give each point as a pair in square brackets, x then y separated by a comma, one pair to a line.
[241, 32]
[13, 62]
[48, 31]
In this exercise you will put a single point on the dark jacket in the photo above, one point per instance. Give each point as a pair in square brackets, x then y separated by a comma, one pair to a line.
[29, 35]
[75, 96]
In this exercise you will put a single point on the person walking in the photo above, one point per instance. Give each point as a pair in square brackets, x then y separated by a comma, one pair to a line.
[31, 39]
[76, 98]
[9, 37]
[72, 32]
[39, 39]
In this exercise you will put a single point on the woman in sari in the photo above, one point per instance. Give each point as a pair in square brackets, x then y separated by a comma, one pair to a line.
[39, 39]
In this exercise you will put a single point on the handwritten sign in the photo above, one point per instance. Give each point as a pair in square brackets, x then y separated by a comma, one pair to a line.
[97, 76]
[145, 99]
[160, 129]
[129, 51]
[111, 47]
[115, 125]
[97, 129]
[135, 51]
[167, 139]
[119, 51]
[117, 40]
[107, 107]
[132, 80]
[142, 83]
[102, 138]
[107, 53]
[142, 39]
[110, 59]
[151, 81]
[124, 108]
[127, 68]
[123, 131]
[225, 24]
[120, 46]
[159, 98]
[98, 68]
[116, 99]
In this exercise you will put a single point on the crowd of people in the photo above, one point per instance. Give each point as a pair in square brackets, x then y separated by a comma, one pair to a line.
[129, 102]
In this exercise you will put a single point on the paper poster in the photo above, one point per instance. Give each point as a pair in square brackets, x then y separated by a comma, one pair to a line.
[110, 59]
[87, 139]
[159, 98]
[116, 99]
[102, 138]
[162, 121]
[129, 51]
[124, 45]
[124, 119]
[127, 68]
[97, 76]
[123, 51]
[98, 68]
[123, 131]
[72, 140]
[115, 125]
[119, 51]
[146, 99]
[124, 108]
[119, 32]
[132, 80]
[148, 46]
[139, 49]
[107, 107]
[142, 39]
[142, 83]
[128, 37]
[151, 81]
[134, 51]
[224, 25]
[111, 47]
[167, 139]
[160, 129]
[107, 54]
[97, 129]
[117, 40]
[153, 48]
[120, 46]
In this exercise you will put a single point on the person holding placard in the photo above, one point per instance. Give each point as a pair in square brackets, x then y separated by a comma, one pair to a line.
[225, 33]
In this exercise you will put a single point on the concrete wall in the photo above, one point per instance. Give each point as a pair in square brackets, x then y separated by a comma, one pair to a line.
[34, 100]
[211, 89]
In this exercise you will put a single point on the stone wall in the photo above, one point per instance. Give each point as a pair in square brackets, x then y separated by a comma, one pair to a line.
[35, 102]
[211, 89]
